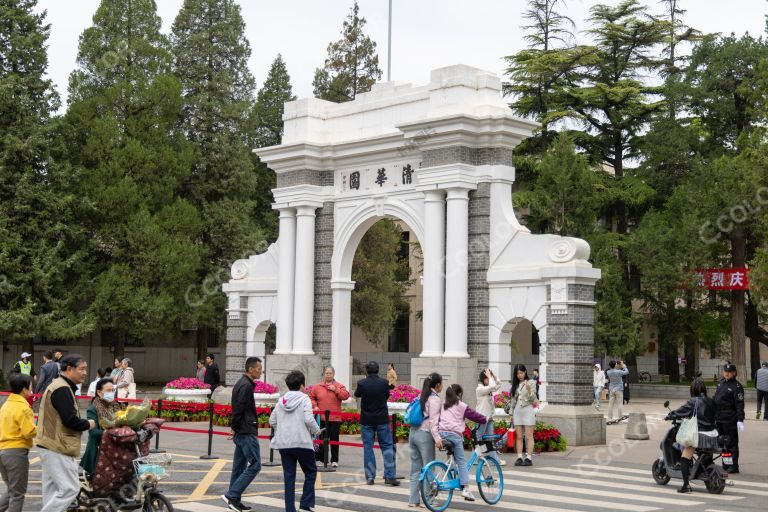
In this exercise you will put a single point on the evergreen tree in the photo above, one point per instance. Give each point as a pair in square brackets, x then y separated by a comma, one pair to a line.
[268, 122]
[381, 277]
[211, 61]
[352, 66]
[127, 162]
[36, 252]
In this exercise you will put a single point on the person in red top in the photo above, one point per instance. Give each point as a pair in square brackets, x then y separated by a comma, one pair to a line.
[327, 396]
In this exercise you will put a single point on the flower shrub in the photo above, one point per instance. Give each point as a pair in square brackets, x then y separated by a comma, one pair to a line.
[546, 438]
[403, 393]
[260, 386]
[501, 399]
[187, 383]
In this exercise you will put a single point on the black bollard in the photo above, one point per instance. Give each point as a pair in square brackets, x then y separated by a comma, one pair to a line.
[271, 451]
[157, 449]
[327, 445]
[210, 435]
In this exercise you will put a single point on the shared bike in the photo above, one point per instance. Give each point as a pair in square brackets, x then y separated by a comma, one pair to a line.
[439, 479]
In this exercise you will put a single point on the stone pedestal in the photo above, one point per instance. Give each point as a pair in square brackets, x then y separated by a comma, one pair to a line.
[637, 428]
[581, 425]
[462, 371]
[279, 365]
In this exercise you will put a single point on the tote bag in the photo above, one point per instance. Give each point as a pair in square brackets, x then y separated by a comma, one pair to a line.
[688, 433]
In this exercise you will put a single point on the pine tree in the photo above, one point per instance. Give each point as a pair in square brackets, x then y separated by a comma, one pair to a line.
[352, 66]
[35, 238]
[270, 103]
[211, 61]
[127, 162]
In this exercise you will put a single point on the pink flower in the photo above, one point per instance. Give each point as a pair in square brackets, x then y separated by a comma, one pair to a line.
[403, 393]
[187, 383]
[260, 386]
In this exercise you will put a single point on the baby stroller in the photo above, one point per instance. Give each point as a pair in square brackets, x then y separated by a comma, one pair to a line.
[126, 475]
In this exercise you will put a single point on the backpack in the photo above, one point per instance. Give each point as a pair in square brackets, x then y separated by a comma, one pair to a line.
[414, 415]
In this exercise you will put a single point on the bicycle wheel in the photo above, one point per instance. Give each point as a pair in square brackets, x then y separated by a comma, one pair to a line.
[156, 502]
[435, 498]
[490, 480]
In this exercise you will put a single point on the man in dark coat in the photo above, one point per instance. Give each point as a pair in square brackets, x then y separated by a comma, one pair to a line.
[374, 421]
[212, 372]
[48, 372]
[729, 400]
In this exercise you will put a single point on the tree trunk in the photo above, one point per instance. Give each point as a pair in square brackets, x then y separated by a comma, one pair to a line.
[119, 344]
[738, 349]
[202, 343]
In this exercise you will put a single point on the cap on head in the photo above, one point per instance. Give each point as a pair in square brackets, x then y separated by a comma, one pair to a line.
[25, 354]
[729, 367]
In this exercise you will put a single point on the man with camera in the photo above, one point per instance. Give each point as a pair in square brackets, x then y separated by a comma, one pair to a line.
[616, 387]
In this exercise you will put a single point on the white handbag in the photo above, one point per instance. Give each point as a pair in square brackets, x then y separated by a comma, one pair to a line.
[688, 433]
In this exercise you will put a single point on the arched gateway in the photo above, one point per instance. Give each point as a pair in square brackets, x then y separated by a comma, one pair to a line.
[439, 158]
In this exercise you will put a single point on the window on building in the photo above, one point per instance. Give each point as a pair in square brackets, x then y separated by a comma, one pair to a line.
[399, 337]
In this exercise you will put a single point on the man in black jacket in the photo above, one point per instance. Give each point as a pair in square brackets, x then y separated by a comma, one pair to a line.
[729, 400]
[212, 372]
[48, 372]
[246, 462]
[374, 420]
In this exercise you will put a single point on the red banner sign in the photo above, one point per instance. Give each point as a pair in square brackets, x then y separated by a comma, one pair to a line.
[724, 278]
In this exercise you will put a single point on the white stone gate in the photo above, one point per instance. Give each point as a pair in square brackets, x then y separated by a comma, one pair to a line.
[439, 158]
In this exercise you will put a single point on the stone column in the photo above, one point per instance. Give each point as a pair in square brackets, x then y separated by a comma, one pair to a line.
[285, 297]
[434, 277]
[456, 273]
[237, 337]
[340, 329]
[304, 294]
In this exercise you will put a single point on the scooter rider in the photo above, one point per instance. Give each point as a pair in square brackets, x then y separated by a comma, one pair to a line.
[729, 401]
[705, 419]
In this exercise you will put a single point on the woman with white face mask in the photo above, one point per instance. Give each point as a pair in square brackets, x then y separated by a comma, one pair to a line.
[102, 406]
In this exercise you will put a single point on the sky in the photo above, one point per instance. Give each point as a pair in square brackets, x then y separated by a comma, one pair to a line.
[426, 34]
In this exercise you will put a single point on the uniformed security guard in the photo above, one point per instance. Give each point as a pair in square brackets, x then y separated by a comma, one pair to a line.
[729, 400]
[25, 365]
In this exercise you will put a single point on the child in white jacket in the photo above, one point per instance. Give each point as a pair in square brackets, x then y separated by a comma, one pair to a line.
[295, 427]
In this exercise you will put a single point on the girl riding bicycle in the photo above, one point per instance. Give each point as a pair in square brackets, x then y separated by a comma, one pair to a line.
[451, 427]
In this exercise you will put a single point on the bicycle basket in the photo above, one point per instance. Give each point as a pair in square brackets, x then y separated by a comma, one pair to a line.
[157, 465]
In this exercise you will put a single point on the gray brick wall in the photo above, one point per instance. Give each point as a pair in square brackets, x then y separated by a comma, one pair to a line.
[321, 330]
[479, 245]
[466, 155]
[570, 350]
[235, 348]
[305, 177]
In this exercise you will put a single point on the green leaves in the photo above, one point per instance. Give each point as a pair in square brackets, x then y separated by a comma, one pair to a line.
[352, 66]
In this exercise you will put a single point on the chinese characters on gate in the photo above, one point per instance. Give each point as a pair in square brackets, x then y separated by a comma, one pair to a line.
[380, 177]
[723, 278]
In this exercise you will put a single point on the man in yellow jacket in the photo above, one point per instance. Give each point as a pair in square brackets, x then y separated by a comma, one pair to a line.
[17, 430]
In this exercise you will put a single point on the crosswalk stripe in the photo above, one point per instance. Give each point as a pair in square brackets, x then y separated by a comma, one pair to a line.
[531, 482]
[598, 469]
[651, 487]
[612, 476]
[516, 494]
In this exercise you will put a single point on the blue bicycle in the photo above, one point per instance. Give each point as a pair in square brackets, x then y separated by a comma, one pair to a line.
[439, 479]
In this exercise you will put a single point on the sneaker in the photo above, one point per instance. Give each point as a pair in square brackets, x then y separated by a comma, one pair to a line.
[394, 482]
[467, 494]
[243, 506]
[686, 489]
[369, 482]
[758, 415]
[413, 505]
[232, 504]
[519, 461]
[527, 461]
[502, 462]
[309, 509]
[334, 464]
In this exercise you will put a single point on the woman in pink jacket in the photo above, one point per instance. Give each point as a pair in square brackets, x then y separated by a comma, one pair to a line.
[327, 396]
[422, 440]
[451, 427]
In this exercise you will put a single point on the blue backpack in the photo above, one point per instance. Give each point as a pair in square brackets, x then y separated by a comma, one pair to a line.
[414, 416]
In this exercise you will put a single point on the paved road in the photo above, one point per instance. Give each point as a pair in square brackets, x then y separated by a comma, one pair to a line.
[554, 483]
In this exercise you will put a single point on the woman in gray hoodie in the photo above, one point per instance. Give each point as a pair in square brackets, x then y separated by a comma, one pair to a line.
[294, 428]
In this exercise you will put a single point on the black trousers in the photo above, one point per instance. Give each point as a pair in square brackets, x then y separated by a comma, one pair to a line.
[333, 430]
[729, 429]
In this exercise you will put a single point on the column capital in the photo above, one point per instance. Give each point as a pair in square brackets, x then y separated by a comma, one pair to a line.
[458, 194]
[306, 210]
[342, 285]
[287, 212]
[434, 196]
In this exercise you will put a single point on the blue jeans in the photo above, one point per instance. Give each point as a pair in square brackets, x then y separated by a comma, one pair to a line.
[598, 392]
[487, 430]
[246, 464]
[457, 443]
[422, 453]
[384, 435]
[306, 459]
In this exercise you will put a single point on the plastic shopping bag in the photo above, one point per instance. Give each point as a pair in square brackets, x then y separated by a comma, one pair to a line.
[688, 433]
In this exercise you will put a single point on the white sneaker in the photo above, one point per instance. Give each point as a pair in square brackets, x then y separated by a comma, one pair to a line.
[334, 464]
[467, 494]
[414, 505]
[502, 462]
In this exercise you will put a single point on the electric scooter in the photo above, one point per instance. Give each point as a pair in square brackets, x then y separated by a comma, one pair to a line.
[703, 466]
